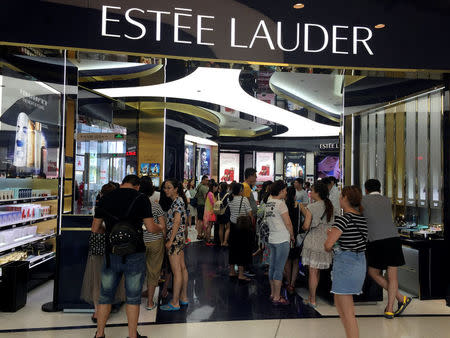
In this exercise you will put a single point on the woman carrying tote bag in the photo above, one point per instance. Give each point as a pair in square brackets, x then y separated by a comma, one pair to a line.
[240, 241]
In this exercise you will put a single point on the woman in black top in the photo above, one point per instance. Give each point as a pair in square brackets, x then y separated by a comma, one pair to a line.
[349, 232]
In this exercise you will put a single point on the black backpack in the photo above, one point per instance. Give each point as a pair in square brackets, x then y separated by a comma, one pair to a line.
[124, 238]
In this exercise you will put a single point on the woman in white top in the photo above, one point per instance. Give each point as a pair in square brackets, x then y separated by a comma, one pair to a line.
[280, 237]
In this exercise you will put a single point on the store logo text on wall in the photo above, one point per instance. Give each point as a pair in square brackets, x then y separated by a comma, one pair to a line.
[359, 35]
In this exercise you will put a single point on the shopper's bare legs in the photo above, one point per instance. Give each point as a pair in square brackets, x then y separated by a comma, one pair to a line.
[313, 281]
[272, 288]
[346, 309]
[177, 278]
[102, 317]
[221, 233]
[294, 274]
[241, 275]
[227, 234]
[200, 231]
[185, 275]
[390, 284]
[276, 289]
[133, 317]
[288, 271]
[208, 231]
[151, 294]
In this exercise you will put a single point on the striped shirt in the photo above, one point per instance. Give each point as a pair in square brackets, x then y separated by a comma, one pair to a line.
[157, 212]
[234, 206]
[354, 231]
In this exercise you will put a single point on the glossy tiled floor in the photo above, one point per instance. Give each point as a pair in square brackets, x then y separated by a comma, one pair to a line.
[220, 307]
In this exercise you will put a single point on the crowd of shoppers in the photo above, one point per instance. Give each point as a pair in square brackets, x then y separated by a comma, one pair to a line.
[316, 225]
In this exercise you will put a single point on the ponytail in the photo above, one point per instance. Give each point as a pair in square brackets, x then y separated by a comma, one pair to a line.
[328, 209]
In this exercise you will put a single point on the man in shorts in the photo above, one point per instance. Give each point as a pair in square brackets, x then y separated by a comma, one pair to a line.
[384, 249]
[133, 266]
[202, 191]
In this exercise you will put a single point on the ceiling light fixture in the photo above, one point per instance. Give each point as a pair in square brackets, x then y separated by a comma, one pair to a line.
[199, 140]
[380, 25]
[299, 6]
[213, 83]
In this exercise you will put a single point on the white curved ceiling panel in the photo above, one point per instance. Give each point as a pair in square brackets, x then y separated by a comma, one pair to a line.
[221, 86]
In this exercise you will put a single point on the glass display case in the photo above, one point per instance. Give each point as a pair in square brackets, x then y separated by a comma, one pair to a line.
[29, 167]
[401, 145]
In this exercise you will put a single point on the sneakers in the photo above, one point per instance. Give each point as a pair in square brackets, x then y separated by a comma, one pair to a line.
[402, 306]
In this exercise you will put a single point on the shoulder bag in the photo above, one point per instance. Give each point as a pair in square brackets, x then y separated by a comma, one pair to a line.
[243, 222]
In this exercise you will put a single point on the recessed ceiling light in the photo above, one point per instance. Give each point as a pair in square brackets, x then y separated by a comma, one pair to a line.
[380, 25]
[299, 6]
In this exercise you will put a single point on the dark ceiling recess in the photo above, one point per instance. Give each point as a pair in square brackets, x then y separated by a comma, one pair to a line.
[372, 90]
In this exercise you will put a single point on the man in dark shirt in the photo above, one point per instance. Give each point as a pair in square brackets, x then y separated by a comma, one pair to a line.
[133, 266]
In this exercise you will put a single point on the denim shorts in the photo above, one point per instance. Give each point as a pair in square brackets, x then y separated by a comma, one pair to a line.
[134, 269]
[348, 273]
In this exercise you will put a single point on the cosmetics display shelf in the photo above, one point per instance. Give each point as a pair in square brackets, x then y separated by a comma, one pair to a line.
[27, 222]
[28, 199]
[37, 260]
[35, 238]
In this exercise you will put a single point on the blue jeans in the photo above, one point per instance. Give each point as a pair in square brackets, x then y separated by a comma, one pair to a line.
[278, 256]
[134, 270]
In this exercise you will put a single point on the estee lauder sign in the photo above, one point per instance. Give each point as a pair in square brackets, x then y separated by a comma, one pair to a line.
[323, 33]
[184, 19]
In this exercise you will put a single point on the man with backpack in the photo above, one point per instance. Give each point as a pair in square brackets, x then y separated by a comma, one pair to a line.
[123, 211]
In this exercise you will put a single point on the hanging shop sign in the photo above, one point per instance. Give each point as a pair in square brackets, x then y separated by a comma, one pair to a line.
[325, 32]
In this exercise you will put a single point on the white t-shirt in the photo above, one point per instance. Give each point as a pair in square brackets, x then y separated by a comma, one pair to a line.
[278, 233]
[155, 197]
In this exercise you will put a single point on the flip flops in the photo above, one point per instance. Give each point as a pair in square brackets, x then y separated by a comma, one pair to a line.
[149, 308]
[402, 306]
[169, 307]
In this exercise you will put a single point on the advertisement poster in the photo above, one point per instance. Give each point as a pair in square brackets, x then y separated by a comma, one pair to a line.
[328, 165]
[188, 161]
[295, 164]
[145, 169]
[29, 128]
[154, 169]
[264, 167]
[229, 167]
[205, 161]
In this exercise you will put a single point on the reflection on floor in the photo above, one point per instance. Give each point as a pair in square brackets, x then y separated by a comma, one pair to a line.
[215, 297]
[31, 316]
[300, 328]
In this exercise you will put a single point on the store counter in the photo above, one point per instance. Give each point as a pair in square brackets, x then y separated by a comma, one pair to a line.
[423, 274]
[73, 252]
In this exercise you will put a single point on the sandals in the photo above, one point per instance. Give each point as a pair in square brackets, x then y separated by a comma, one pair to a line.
[402, 306]
[169, 307]
[388, 315]
[184, 303]
[149, 308]
[282, 301]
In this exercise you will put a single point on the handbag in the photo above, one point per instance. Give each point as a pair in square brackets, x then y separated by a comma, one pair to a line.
[264, 229]
[243, 222]
[97, 244]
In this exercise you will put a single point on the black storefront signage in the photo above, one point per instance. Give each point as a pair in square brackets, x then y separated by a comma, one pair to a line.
[329, 146]
[325, 32]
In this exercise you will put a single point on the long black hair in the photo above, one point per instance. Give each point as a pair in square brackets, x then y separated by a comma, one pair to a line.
[178, 186]
[164, 201]
[264, 193]
[146, 186]
[236, 190]
[322, 190]
[223, 187]
[290, 197]
[213, 184]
